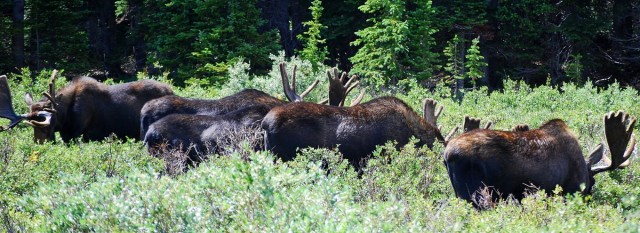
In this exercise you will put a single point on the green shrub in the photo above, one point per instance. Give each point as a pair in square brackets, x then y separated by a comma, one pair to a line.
[117, 186]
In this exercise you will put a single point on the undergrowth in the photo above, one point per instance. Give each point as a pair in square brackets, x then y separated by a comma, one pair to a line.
[117, 186]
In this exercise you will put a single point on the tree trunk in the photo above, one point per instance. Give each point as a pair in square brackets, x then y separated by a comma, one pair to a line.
[139, 45]
[18, 35]
[488, 45]
[622, 20]
[286, 17]
[101, 28]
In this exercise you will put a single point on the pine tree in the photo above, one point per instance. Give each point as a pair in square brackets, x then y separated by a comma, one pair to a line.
[383, 43]
[399, 42]
[206, 36]
[314, 49]
[455, 65]
[474, 63]
[421, 59]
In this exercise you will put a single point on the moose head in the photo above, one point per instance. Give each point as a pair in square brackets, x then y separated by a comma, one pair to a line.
[85, 108]
[42, 114]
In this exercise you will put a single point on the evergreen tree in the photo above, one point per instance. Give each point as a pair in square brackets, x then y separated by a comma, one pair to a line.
[314, 49]
[206, 36]
[56, 36]
[397, 45]
[421, 58]
[474, 62]
[455, 64]
[6, 61]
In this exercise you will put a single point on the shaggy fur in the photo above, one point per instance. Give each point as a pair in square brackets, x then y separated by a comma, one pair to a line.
[511, 161]
[92, 110]
[356, 131]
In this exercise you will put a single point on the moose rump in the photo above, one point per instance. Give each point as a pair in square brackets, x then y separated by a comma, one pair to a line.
[545, 157]
[511, 162]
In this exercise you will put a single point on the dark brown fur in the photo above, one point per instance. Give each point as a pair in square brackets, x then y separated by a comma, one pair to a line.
[156, 109]
[511, 161]
[356, 131]
[92, 110]
[199, 134]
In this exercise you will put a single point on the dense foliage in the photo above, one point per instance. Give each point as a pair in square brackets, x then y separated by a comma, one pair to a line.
[384, 41]
[118, 186]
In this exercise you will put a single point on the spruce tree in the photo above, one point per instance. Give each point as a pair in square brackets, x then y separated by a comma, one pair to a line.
[314, 49]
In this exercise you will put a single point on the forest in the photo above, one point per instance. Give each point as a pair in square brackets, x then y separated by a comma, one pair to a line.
[461, 43]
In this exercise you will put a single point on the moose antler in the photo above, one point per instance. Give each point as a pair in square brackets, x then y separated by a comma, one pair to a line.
[620, 140]
[6, 107]
[471, 123]
[52, 92]
[290, 88]
[339, 88]
[430, 113]
[357, 100]
[520, 128]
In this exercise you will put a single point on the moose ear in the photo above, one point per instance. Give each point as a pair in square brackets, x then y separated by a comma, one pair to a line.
[28, 99]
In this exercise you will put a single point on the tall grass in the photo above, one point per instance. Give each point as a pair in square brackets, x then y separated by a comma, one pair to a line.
[117, 186]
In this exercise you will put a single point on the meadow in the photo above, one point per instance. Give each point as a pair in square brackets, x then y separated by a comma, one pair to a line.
[115, 186]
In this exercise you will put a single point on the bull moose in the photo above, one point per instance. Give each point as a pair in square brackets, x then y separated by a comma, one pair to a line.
[161, 107]
[199, 134]
[85, 108]
[511, 162]
[355, 131]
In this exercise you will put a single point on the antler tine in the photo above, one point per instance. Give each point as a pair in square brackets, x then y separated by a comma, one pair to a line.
[291, 95]
[352, 81]
[470, 123]
[358, 99]
[351, 86]
[51, 94]
[451, 133]
[309, 89]
[520, 128]
[336, 74]
[429, 112]
[596, 156]
[52, 83]
[618, 129]
[628, 151]
[324, 101]
[488, 125]
[293, 78]
[343, 77]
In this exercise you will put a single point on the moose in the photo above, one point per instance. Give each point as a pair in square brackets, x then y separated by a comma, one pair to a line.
[85, 108]
[199, 135]
[355, 130]
[509, 163]
[161, 107]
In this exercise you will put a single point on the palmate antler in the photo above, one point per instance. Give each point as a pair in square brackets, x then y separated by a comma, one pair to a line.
[468, 124]
[520, 128]
[618, 129]
[6, 107]
[290, 88]
[471, 123]
[430, 114]
[339, 88]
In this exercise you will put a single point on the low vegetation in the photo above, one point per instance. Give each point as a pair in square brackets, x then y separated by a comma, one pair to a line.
[117, 186]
